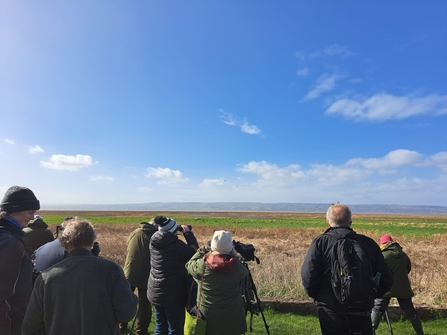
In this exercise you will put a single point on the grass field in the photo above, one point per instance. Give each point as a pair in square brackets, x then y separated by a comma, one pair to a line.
[282, 239]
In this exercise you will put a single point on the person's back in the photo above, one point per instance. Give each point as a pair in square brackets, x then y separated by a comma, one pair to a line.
[219, 293]
[316, 273]
[400, 264]
[49, 254]
[82, 294]
[136, 269]
[36, 234]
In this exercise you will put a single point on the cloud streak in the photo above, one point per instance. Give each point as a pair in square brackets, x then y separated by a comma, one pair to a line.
[245, 127]
[69, 163]
[35, 150]
[383, 107]
[324, 84]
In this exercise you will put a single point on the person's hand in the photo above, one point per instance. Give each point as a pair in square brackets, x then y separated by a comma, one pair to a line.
[185, 228]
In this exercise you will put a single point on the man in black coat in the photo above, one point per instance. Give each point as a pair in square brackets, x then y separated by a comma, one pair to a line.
[316, 276]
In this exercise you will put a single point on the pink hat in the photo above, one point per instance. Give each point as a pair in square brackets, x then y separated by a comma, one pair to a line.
[385, 239]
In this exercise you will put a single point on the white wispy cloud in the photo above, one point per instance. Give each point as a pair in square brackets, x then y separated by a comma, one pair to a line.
[11, 142]
[70, 163]
[334, 50]
[166, 175]
[383, 107]
[324, 83]
[323, 175]
[303, 72]
[35, 150]
[390, 161]
[273, 175]
[212, 183]
[439, 159]
[101, 178]
[245, 127]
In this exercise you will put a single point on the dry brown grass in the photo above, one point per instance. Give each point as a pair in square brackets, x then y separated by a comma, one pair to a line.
[282, 250]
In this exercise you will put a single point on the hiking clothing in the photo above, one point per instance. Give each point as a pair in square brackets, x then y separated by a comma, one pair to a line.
[81, 294]
[336, 323]
[16, 278]
[169, 320]
[49, 254]
[167, 285]
[316, 278]
[138, 261]
[36, 235]
[136, 269]
[400, 264]
[316, 269]
[221, 301]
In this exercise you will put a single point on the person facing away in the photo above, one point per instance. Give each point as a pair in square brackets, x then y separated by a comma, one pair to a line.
[316, 276]
[167, 285]
[82, 294]
[136, 269]
[18, 207]
[400, 264]
[52, 252]
[36, 234]
[219, 295]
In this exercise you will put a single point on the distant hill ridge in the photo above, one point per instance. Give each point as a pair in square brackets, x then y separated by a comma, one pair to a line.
[249, 206]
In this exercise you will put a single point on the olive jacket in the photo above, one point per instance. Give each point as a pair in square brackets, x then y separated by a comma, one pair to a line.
[221, 299]
[36, 235]
[400, 264]
[80, 295]
[138, 259]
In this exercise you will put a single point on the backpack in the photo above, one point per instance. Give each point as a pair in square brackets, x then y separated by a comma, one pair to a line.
[351, 274]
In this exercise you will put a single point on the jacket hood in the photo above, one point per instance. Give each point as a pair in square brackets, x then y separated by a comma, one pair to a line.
[38, 223]
[221, 263]
[393, 248]
[339, 232]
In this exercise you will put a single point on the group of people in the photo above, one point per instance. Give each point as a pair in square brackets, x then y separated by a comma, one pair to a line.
[158, 264]
[78, 293]
[387, 260]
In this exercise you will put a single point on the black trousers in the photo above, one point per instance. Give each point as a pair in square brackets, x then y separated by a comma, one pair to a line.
[335, 322]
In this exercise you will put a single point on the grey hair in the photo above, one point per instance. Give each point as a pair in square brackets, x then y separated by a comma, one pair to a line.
[78, 233]
[339, 215]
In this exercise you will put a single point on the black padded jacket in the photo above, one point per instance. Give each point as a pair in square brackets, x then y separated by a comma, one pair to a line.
[167, 284]
[316, 269]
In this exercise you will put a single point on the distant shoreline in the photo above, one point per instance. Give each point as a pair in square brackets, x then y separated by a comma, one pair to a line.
[248, 207]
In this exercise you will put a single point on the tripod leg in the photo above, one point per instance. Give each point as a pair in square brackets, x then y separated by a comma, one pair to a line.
[389, 322]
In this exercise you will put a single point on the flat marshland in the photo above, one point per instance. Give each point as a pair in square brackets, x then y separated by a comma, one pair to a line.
[282, 239]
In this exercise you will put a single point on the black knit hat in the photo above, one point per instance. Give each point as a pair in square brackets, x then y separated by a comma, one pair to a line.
[18, 199]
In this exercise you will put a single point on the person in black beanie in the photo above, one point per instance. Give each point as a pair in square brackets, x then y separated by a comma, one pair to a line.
[167, 284]
[16, 270]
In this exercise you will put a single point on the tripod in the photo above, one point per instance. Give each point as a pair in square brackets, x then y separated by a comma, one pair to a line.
[251, 298]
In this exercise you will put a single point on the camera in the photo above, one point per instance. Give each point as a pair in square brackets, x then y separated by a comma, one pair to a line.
[247, 251]
[95, 249]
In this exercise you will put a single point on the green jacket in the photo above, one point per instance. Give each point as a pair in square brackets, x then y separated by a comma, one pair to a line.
[221, 301]
[400, 264]
[138, 258]
[36, 235]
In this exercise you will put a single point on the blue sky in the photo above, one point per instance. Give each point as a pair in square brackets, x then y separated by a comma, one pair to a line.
[105, 102]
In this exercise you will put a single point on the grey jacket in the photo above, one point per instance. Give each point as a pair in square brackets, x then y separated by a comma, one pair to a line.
[81, 295]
